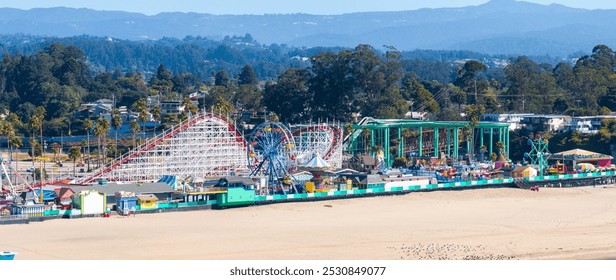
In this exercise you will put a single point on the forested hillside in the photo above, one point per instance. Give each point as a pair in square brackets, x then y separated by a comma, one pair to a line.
[202, 57]
[50, 84]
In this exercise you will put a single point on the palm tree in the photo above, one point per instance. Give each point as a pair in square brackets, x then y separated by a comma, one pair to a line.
[156, 115]
[57, 149]
[116, 122]
[500, 146]
[15, 142]
[141, 107]
[189, 106]
[101, 130]
[7, 129]
[87, 125]
[366, 132]
[74, 154]
[36, 123]
[134, 128]
[223, 106]
[376, 149]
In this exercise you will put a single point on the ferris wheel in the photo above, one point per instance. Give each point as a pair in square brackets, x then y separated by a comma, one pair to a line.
[271, 153]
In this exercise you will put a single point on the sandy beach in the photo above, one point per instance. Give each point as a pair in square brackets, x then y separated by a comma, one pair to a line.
[576, 223]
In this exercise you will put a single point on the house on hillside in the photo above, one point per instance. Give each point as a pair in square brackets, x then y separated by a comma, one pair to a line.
[514, 120]
[171, 107]
[586, 124]
[94, 110]
[545, 122]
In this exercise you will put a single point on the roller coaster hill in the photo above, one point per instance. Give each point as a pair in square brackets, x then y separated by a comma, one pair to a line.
[208, 146]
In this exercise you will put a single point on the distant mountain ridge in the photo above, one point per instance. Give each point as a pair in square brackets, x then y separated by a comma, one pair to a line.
[498, 27]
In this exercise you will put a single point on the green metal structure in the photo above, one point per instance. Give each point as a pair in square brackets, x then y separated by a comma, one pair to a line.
[429, 139]
[539, 153]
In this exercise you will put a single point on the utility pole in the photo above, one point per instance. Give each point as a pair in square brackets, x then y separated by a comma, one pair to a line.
[475, 84]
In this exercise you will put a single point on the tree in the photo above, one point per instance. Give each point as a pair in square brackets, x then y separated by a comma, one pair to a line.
[457, 96]
[87, 125]
[141, 107]
[36, 123]
[366, 133]
[421, 99]
[332, 86]
[156, 115]
[221, 78]
[15, 143]
[6, 128]
[74, 154]
[473, 114]
[161, 83]
[134, 128]
[116, 123]
[470, 78]
[101, 130]
[247, 76]
[57, 149]
[189, 106]
[290, 97]
[500, 146]
[223, 106]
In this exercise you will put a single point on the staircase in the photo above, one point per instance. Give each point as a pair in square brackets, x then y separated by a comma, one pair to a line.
[522, 184]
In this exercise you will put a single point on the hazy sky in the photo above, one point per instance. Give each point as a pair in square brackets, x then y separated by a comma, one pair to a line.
[151, 7]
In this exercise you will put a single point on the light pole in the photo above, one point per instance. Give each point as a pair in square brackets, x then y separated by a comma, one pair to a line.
[44, 164]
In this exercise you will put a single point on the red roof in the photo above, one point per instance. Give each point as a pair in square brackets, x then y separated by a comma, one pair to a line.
[65, 193]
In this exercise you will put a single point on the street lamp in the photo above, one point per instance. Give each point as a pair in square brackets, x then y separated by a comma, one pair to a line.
[44, 163]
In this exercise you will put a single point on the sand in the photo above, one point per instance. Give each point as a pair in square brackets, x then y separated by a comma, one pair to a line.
[575, 223]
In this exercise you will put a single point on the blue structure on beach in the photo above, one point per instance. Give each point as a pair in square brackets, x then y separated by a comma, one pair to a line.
[126, 203]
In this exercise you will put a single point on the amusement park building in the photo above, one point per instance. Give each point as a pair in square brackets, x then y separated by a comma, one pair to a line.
[90, 202]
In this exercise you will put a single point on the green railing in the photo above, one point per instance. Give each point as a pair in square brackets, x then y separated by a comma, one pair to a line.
[381, 189]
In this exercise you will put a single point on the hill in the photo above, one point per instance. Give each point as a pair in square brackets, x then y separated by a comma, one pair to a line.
[498, 27]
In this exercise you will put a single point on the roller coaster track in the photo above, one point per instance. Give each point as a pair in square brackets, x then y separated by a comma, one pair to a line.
[351, 137]
[333, 145]
[154, 142]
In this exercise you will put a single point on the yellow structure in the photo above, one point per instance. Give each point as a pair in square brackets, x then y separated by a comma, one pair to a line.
[147, 201]
[310, 187]
[524, 171]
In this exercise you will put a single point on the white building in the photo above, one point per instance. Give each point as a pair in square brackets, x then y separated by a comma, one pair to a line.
[171, 107]
[514, 120]
[545, 122]
[587, 124]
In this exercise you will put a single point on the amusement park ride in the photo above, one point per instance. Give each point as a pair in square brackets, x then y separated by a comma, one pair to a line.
[8, 190]
[206, 159]
[208, 146]
[539, 153]
[272, 153]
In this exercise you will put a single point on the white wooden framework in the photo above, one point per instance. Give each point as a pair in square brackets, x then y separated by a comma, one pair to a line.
[322, 139]
[207, 146]
[203, 146]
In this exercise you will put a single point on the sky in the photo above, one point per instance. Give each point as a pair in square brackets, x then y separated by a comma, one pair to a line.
[321, 7]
